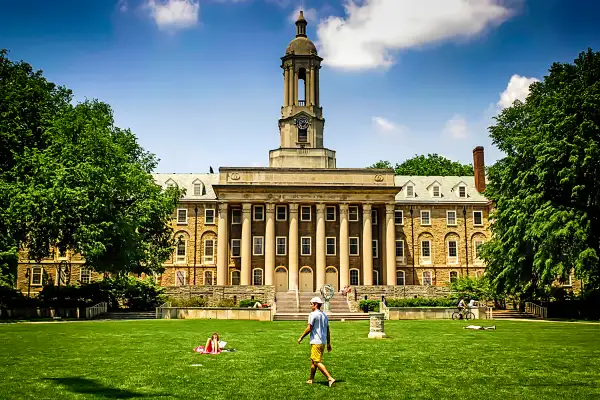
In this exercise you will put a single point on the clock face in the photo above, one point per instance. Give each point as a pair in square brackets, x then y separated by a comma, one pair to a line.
[302, 123]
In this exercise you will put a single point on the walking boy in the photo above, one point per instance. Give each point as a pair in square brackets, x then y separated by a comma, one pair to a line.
[318, 327]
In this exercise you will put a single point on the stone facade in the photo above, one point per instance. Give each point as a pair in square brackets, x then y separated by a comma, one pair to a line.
[214, 294]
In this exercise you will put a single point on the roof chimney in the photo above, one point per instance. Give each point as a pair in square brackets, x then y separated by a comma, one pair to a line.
[479, 168]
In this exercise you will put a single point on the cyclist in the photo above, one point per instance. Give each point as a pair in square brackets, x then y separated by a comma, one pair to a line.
[461, 306]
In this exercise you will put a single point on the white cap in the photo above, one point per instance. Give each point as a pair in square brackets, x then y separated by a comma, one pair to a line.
[316, 300]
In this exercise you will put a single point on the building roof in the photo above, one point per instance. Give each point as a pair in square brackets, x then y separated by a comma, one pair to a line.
[301, 46]
[187, 181]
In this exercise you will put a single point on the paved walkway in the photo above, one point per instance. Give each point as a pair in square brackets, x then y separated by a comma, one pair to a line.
[547, 320]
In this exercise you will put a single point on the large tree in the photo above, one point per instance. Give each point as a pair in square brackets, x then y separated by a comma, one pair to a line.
[76, 181]
[430, 165]
[546, 190]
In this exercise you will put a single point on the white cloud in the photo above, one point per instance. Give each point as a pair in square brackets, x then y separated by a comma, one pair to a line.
[310, 14]
[373, 29]
[456, 127]
[517, 89]
[174, 14]
[123, 6]
[387, 127]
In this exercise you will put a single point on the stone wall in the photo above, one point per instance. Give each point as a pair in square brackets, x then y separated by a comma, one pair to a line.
[214, 313]
[395, 292]
[398, 313]
[214, 294]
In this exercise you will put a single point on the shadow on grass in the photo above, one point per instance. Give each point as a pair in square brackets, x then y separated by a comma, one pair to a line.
[89, 386]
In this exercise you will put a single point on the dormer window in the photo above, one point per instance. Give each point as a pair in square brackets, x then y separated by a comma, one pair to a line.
[436, 191]
[197, 189]
[410, 191]
[462, 191]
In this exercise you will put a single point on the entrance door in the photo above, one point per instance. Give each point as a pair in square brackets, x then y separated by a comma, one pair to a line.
[331, 277]
[281, 279]
[306, 280]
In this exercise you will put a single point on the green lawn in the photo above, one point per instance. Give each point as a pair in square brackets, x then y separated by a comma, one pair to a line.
[420, 359]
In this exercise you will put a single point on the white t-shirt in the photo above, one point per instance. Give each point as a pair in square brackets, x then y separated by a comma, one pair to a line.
[461, 303]
[319, 322]
[471, 303]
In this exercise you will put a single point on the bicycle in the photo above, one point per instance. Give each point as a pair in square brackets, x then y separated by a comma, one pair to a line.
[464, 314]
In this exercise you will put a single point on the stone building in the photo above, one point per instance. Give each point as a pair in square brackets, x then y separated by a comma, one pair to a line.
[302, 222]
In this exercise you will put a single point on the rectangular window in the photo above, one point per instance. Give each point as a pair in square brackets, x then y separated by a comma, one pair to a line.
[452, 252]
[180, 278]
[400, 278]
[281, 213]
[374, 216]
[375, 249]
[85, 275]
[209, 251]
[181, 252]
[450, 217]
[436, 191]
[400, 249]
[330, 248]
[236, 216]
[410, 191]
[257, 277]
[477, 218]
[353, 213]
[453, 276]
[305, 247]
[425, 217]
[462, 191]
[425, 252]
[330, 213]
[302, 135]
[209, 216]
[258, 246]
[354, 277]
[353, 246]
[36, 276]
[427, 280]
[235, 277]
[236, 248]
[259, 213]
[182, 216]
[197, 189]
[281, 245]
[399, 217]
[305, 213]
[208, 278]
[476, 248]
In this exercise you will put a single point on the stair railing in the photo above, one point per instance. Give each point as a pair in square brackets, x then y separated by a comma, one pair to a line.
[537, 310]
[159, 309]
[100, 308]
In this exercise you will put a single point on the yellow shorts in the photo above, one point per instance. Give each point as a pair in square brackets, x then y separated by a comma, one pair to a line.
[316, 352]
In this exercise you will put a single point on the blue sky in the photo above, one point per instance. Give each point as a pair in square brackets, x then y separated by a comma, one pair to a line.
[199, 81]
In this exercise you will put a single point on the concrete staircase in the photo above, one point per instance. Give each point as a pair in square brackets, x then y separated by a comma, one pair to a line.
[286, 302]
[127, 315]
[288, 311]
[511, 314]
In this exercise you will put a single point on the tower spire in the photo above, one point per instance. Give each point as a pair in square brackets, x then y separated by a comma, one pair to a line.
[301, 25]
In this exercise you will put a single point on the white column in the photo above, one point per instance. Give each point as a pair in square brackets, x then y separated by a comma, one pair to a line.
[270, 244]
[320, 245]
[295, 99]
[344, 247]
[367, 253]
[286, 86]
[246, 244]
[222, 246]
[293, 247]
[390, 242]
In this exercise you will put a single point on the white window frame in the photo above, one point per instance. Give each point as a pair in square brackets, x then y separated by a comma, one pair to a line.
[428, 218]
[262, 245]
[262, 277]
[448, 212]
[327, 209]
[302, 208]
[236, 210]
[239, 277]
[401, 259]
[206, 259]
[439, 191]
[40, 273]
[412, 191]
[181, 259]
[350, 213]
[327, 253]
[89, 274]
[350, 239]
[208, 211]
[450, 275]
[212, 277]
[277, 239]
[464, 188]
[239, 247]
[375, 277]
[430, 278]
[281, 207]
[375, 248]
[374, 216]
[403, 274]
[258, 207]
[426, 259]
[179, 221]
[198, 185]
[302, 253]
[401, 212]
[476, 259]
[481, 213]
[452, 259]
[177, 274]
[357, 276]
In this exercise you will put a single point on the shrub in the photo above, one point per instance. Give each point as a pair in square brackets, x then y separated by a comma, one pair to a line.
[422, 302]
[372, 304]
[248, 303]
[189, 302]
[10, 298]
[228, 303]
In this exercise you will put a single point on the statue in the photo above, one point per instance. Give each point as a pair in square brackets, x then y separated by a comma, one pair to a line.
[327, 291]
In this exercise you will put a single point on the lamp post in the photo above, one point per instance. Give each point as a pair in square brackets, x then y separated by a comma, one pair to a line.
[466, 239]
[195, 240]
[412, 227]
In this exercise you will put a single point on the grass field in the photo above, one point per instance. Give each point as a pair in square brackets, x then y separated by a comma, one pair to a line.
[420, 359]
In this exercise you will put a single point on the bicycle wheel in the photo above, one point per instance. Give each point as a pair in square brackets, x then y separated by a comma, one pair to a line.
[455, 315]
[469, 316]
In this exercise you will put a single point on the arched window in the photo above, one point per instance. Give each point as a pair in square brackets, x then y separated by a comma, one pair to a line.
[302, 87]
[257, 277]
[354, 277]
[400, 278]
[235, 277]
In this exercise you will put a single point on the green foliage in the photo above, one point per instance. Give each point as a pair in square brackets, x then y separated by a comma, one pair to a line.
[372, 304]
[421, 302]
[10, 298]
[474, 288]
[189, 302]
[70, 178]
[546, 190]
[430, 165]
[247, 303]
[227, 303]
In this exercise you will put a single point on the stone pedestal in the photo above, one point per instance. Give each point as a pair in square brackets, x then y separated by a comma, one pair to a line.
[376, 325]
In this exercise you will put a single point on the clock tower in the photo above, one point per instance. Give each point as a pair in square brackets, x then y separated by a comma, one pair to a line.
[301, 123]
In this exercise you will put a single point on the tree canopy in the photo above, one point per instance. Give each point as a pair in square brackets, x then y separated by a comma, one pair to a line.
[430, 165]
[546, 190]
[70, 178]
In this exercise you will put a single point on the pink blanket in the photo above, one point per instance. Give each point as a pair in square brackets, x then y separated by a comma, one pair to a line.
[207, 350]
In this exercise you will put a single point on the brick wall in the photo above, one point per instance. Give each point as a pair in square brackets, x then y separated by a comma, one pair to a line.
[214, 294]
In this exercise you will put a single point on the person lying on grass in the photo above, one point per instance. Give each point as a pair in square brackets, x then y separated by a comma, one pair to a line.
[213, 345]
